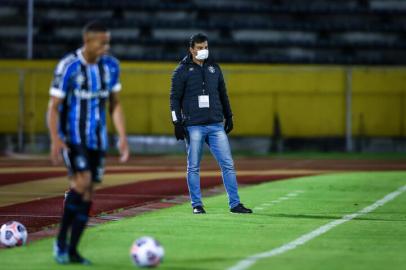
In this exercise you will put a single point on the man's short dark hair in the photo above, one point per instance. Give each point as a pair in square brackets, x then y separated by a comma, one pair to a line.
[197, 38]
[95, 26]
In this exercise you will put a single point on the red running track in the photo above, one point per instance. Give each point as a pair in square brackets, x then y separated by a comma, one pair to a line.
[38, 214]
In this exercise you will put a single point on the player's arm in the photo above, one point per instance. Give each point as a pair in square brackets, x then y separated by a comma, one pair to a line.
[57, 143]
[117, 115]
[57, 95]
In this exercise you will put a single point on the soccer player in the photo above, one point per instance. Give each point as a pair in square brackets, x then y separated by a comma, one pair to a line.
[201, 113]
[83, 82]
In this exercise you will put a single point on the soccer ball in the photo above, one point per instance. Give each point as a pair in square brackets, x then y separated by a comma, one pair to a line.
[13, 234]
[147, 252]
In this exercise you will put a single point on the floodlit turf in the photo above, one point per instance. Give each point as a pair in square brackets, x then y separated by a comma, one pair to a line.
[284, 210]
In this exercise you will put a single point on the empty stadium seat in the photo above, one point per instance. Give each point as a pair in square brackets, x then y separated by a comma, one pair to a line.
[338, 32]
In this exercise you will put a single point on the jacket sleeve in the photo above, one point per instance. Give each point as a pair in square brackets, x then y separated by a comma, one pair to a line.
[224, 97]
[176, 96]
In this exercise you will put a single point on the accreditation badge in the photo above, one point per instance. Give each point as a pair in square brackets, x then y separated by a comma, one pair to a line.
[204, 101]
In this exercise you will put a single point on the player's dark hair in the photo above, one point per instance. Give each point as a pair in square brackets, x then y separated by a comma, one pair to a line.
[94, 26]
[197, 38]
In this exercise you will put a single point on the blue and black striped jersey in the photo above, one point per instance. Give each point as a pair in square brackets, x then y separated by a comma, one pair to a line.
[84, 89]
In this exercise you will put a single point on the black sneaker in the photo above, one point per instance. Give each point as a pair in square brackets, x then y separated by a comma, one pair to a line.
[198, 210]
[240, 209]
[76, 258]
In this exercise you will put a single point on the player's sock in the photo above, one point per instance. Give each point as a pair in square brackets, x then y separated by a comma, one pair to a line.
[78, 226]
[71, 205]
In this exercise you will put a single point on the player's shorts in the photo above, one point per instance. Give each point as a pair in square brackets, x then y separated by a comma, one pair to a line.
[81, 159]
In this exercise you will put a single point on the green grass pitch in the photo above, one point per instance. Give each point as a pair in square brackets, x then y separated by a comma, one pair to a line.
[284, 211]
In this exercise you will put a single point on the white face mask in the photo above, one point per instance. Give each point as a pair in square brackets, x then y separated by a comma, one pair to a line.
[202, 54]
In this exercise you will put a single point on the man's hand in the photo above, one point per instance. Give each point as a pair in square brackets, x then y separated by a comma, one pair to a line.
[123, 149]
[57, 146]
[179, 132]
[228, 125]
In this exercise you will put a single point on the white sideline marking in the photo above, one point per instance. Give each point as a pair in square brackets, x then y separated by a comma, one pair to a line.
[280, 199]
[246, 263]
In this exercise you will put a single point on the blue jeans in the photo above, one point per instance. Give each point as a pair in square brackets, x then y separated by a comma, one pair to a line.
[217, 141]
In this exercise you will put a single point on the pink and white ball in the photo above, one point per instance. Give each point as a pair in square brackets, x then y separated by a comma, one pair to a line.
[147, 252]
[13, 234]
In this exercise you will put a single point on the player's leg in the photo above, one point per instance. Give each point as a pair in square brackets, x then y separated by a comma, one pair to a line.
[94, 175]
[194, 146]
[72, 199]
[74, 159]
[82, 185]
[97, 160]
[76, 204]
[68, 215]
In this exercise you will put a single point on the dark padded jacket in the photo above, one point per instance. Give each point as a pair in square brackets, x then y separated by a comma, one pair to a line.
[189, 81]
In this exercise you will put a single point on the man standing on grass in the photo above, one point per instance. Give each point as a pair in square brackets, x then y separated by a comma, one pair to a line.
[83, 82]
[201, 113]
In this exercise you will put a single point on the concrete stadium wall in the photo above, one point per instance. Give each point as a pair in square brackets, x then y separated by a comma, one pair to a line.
[310, 100]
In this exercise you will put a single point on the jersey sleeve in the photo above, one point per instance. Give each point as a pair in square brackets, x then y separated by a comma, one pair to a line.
[115, 84]
[60, 81]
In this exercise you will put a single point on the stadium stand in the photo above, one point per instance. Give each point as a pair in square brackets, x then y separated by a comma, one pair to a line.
[271, 31]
